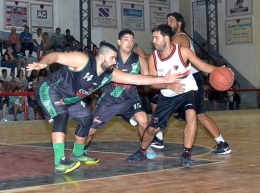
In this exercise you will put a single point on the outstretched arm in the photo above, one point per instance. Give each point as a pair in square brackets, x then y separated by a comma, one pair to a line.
[75, 60]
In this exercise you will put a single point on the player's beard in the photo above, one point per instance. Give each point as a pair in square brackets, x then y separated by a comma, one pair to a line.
[174, 30]
[107, 68]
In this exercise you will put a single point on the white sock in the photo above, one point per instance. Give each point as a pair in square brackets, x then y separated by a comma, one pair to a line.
[159, 135]
[219, 139]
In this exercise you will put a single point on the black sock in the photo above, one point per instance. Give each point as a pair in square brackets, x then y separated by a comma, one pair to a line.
[143, 151]
[187, 150]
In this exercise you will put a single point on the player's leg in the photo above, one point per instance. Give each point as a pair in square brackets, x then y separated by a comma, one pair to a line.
[190, 126]
[160, 119]
[56, 111]
[222, 146]
[158, 140]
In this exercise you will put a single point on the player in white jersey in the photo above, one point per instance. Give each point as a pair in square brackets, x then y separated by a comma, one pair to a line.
[179, 95]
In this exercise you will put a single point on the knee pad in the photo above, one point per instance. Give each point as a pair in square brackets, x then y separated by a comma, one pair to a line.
[60, 123]
[84, 124]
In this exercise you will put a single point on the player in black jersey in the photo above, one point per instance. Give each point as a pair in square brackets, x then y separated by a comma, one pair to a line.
[60, 96]
[123, 99]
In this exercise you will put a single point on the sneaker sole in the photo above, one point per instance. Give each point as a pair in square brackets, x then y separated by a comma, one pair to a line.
[224, 153]
[187, 165]
[92, 162]
[68, 170]
[157, 146]
[151, 155]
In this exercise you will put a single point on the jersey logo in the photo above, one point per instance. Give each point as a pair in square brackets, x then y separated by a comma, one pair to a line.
[124, 70]
[88, 76]
[175, 67]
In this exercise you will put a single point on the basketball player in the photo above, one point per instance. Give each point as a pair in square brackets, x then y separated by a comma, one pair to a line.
[172, 97]
[60, 96]
[123, 99]
[177, 23]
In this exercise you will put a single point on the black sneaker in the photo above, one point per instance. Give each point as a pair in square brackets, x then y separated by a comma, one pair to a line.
[222, 149]
[137, 156]
[186, 160]
[157, 143]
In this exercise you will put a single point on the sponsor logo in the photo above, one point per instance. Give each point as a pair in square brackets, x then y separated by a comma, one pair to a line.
[185, 74]
[96, 120]
[103, 12]
[126, 86]
[42, 14]
[124, 70]
[59, 103]
[132, 12]
[83, 93]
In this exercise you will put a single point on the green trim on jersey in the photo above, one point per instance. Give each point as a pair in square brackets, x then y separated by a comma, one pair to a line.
[45, 99]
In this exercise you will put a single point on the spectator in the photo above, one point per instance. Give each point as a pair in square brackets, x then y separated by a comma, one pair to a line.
[8, 59]
[32, 102]
[19, 56]
[4, 104]
[37, 40]
[69, 39]
[67, 48]
[21, 79]
[46, 43]
[16, 104]
[220, 62]
[58, 49]
[57, 38]
[27, 41]
[203, 52]
[32, 78]
[86, 49]
[13, 38]
[7, 82]
[94, 51]
[42, 74]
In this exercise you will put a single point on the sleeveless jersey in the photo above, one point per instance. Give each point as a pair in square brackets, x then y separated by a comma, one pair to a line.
[193, 69]
[73, 86]
[175, 63]
[124, 91]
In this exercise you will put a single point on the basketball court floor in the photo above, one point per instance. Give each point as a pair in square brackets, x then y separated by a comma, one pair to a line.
[26, 159]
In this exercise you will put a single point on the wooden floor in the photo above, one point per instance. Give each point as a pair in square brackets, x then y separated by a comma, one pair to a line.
[22, 142]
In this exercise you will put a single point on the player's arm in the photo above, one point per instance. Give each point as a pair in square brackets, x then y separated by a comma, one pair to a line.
[143, 65]
[189, 55]
[141, 52]
[75, 60]
[139, 79]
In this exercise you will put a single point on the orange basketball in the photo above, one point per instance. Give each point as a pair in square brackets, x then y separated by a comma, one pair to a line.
[221, 78]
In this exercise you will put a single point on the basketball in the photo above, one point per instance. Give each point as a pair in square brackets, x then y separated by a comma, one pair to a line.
[221, 78]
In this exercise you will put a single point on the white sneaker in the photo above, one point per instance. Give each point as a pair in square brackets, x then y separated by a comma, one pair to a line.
[4, 120]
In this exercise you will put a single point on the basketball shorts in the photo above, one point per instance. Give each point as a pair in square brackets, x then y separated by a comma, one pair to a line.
[166, 106]
[53, 104]
[108, 107]
[199, 94]
[154, 99]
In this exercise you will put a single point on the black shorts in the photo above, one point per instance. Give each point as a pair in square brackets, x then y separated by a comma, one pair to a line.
[199, 94]
[155, 99]
[166, 106]
[52, 104]
[108, 107]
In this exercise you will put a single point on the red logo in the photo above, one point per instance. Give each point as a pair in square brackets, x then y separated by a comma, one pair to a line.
[155, 120]
[175, 67]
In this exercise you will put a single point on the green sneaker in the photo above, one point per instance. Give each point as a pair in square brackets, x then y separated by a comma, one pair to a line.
[84, 158]
[66, 166]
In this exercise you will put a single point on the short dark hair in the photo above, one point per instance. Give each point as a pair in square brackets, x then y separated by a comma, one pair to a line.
[164, 29]
[123, 32]
[179, 18]
[67, 30]
[86, 47]
[104, 45]
[39, 29]
[4, 70]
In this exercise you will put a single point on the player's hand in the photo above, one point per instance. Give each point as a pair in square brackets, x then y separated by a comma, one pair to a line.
[176, 87]
[229, 69]
[35, 66]
[170, 78]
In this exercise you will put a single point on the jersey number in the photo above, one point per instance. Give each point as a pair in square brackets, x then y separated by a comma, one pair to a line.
[88, 77]
[137, 106]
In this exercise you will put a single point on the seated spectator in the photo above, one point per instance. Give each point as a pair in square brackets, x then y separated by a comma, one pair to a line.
[94, 50]
[27, 41]
[4, 102]
[42, 74]
[68, 48]
[32, 102]
[37, 40]
[58, 49]
[7, 82]
[32, 78]
[13, 38]
[203, 52]
[234, 98]
[86, 50]
[69, 39]
[220, 62]
[16, 104]
[19, 56]
[57, 38]
[46, 43]
[8, 59]
[21, 79]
